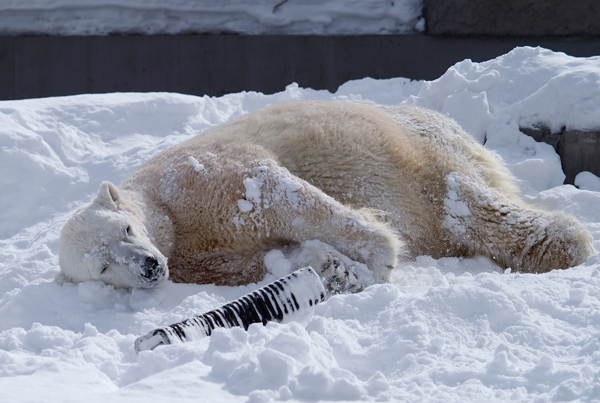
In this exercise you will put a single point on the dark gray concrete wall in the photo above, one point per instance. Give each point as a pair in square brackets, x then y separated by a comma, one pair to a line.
[513, 17]
[33, 67]
[578, 150]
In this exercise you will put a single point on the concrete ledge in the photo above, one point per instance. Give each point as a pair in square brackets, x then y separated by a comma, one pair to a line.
[34, 67]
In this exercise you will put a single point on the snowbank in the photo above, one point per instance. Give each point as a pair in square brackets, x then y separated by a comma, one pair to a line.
[448, 330]
[315, 17]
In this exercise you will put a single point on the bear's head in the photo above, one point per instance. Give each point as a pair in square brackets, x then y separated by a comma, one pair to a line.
[107, 240]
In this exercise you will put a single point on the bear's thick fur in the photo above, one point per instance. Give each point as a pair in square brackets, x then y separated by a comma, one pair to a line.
[371, 181]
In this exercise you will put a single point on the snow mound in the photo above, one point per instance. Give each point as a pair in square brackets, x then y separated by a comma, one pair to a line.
[450, 330]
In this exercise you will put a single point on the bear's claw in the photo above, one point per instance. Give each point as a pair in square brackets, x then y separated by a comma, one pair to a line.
[337, 279]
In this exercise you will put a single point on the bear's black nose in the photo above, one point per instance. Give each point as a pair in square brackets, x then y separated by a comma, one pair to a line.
[150, 267]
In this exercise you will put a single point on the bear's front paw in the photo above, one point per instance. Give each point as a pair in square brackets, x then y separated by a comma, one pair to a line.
[337, 279]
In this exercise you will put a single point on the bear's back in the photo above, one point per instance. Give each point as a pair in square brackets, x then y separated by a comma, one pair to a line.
[329, 143]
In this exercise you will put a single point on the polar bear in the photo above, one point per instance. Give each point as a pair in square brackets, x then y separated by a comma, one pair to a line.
[370, 182]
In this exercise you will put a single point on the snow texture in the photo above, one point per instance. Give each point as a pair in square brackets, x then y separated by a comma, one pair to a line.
[448, 330]
[587, 181]
[197, 166]
[454, 206]
[250, 17]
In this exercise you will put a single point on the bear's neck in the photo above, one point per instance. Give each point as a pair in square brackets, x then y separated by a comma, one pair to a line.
[156, 220]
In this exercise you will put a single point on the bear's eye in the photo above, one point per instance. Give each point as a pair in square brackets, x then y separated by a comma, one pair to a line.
[129, 231]
[104, 269]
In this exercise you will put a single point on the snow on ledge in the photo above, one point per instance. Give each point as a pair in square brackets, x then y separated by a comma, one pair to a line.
[250, 17]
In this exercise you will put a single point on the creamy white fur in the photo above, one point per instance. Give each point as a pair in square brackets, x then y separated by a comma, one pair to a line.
[363, 178]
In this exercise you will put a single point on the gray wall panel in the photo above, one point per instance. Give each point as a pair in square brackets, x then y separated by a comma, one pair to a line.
[32, 67]
[7, 73]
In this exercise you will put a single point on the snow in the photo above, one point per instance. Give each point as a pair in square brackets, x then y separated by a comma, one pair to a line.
[252, 17]
[587, 181]
[277, 264]
[245, 205]
[454, 206]
[253, 186]
[197, 166]
[447, 330]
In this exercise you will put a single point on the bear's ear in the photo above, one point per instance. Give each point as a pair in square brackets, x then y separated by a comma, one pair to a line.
[108, 195]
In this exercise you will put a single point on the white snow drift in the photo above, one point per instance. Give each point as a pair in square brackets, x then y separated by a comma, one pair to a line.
[448, 330]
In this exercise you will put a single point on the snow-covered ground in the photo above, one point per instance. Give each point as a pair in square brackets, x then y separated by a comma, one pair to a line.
[305, 17]
[448, 330]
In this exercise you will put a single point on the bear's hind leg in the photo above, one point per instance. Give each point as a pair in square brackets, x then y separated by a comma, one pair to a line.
[484, 221]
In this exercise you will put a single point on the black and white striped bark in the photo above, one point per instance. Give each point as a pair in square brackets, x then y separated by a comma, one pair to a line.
[290, 298]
